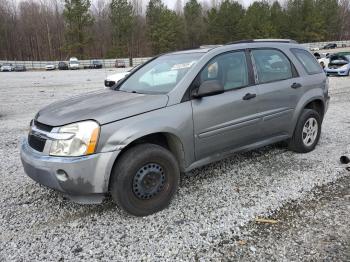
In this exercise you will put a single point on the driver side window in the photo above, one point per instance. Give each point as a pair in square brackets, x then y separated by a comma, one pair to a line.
[230, 69]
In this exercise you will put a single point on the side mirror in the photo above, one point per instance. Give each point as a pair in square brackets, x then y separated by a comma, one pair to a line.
[209, 88]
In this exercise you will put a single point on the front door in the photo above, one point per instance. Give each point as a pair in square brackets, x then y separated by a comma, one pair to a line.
[228, 120]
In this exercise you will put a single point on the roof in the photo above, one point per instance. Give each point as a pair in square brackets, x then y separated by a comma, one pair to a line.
[207, 48]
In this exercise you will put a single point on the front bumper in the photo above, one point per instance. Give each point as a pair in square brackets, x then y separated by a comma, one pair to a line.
[85, 175]
[336, 72]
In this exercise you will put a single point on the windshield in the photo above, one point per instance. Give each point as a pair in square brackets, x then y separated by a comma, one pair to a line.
[160, 75]
[74, 62]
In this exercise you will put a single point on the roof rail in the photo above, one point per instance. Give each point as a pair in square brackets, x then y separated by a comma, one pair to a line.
[263, 41]
[209, 46]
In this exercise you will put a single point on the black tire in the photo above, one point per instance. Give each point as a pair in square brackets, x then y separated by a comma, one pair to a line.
[125, 180]
[296, 143]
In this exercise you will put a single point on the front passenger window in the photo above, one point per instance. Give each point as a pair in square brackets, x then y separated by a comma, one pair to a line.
[230, 69]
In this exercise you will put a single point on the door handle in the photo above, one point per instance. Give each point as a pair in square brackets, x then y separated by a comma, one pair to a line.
[249, 96]
[296, 85]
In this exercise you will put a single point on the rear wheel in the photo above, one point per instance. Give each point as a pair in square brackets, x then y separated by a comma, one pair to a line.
[307, 132]
[145, 179]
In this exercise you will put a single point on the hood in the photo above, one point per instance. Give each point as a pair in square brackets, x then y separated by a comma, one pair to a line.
[334, 64]
[103, 106]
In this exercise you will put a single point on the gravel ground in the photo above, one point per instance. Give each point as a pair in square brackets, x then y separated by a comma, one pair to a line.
[215, 207]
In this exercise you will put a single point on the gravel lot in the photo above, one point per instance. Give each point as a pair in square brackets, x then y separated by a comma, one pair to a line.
[212, 216]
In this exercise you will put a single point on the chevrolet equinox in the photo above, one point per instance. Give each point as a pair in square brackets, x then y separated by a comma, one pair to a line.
[177, 112]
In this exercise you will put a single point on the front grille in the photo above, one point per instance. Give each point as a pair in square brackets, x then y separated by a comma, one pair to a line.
[35, 142]
[332, 73]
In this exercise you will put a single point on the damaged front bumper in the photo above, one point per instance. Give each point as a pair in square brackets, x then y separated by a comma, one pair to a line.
[83, 179]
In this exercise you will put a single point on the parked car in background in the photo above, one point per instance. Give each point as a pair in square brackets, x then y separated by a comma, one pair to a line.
[112, 79]
[20, 68]
[7, 67]
[339, 64]
[330, 46]
[74, 63]
[95, 64]
[314, 49]
[179, 111]
[50, 66]
[62, 66]
[120, 64]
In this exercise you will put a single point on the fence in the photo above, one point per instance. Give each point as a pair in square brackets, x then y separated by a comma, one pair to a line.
[107, 63]
[345, 43]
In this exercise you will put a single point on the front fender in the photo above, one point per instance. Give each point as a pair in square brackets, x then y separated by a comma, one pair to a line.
[175, 120]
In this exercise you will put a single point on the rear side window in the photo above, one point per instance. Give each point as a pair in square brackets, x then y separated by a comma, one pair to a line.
[271, 65]
[308, 61]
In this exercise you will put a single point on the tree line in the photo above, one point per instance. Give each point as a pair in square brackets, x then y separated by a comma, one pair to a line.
[58, 29]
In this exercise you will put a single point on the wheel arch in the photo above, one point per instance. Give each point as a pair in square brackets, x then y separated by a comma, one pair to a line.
[313, 99]
[167, 140]
[317, 105]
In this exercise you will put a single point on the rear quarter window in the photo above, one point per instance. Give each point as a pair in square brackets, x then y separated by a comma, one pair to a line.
[308, 61]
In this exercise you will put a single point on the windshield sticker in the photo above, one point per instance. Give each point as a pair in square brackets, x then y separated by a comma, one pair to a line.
[183, 66]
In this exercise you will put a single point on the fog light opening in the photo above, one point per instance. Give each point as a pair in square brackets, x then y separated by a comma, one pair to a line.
[61, 175]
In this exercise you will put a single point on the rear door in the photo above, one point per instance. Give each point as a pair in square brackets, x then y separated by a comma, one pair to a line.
[279, 90]
[228, 120]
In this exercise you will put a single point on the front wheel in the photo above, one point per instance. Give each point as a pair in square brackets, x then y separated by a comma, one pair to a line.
[307, 132]
[145, 179]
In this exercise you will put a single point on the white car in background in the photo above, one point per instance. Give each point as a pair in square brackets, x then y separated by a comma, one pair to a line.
[112, 79]
[7, 67]
[50, 66]
[74, 63]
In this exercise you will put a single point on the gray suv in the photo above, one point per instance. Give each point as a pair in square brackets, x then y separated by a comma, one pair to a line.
[177, 112]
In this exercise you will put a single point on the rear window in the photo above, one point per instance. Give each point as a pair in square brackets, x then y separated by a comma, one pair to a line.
[308, 61]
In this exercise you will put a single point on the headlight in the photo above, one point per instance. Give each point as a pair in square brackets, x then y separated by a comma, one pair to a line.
[84, 140]
[344, 67]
